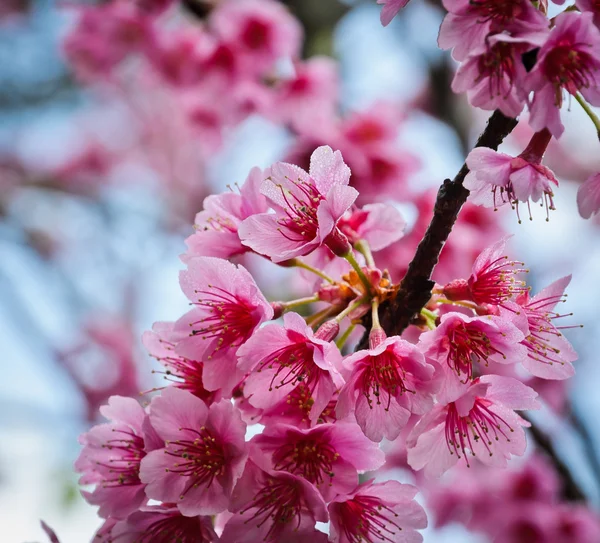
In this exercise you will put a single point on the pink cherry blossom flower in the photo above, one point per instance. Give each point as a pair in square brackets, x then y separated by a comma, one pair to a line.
[203, 456]
[390, 9]
[469, 22]
[274, 506]
[307, 207]
[379, 225]
[282, 358]
[496, 178]
[229, 308]
[568, 61]
[493, 278]
[217, 224]
[310, 94]
[260, 31]
[111, 457]
[550, 355]
[592, 6]
[184, 373]
[330, 456]
[492, 78]
[159, 524]
[460, 341]
[104, 36]
[480, 422]
[377, 512]
[588, 196]
[384, 385]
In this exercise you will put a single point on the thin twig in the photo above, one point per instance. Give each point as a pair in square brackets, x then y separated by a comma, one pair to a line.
[571, 491]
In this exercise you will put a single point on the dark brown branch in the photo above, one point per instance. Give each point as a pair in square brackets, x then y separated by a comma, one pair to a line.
[415, 289]
[570, 489]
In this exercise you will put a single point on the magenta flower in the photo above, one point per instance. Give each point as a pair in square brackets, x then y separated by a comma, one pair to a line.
[330, 456]
[282, 358]
[229, 308]
[460, 341]
[157, 524]
[469, 22]
[307, 207]
[496, 179]
[379, 225]
[593, 6]
[588, 197]
[493, 278]
[259, 31]
[217, 224]
[550, 355]
[492, 78]
[384, 385]
[390, 9]
[480, 422]
[184, 373]
[203, 456]
[377, 512]
[568, 61]
[274, 506]
[111, 458]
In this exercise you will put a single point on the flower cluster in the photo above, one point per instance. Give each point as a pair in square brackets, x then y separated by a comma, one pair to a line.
[513, 55]
[235, 359]
[522, 504]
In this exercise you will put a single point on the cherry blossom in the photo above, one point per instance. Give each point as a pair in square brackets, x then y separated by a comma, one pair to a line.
[203, 456]
[377, 512]
[330, 456]
[307, 208]
[229, 308]
[111, 457]
[478, 422]
[281, 359]
[384, 385]
[588, 196]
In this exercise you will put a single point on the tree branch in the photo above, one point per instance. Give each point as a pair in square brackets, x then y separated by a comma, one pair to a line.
[415, 289]
[570, 489]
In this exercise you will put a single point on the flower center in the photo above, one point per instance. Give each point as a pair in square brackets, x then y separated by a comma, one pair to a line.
[309, 458]
[293, 364]
[256, 34]
[496, 283]
[465, 346]
[498, 66]
[202, 459]
[230, 318]
[367, 520]
[501, 12]
[480, 425]
[174, 528]
[278, 502]
[568, 67]
[384, 374]
[301, 221]
[124, 467]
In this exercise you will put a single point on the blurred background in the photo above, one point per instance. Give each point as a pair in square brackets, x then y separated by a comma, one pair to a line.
[106, 156]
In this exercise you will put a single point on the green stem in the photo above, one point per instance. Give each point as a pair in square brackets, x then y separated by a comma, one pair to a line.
[320, 316]
[299, 302]
[342, 341]
[589, 112]
[361, 274]
[462, 304]
[362, 246]
[430, 318]
[375, 325]
[351, 307]
[300, 264]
